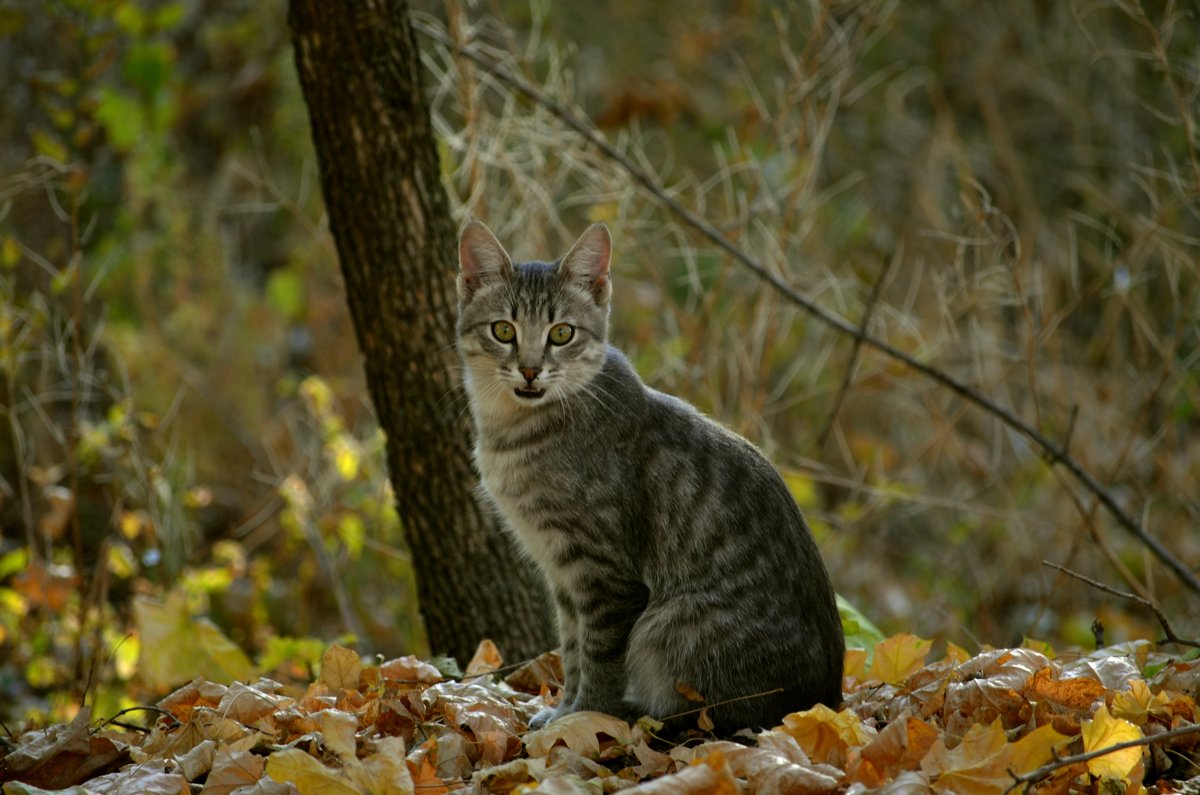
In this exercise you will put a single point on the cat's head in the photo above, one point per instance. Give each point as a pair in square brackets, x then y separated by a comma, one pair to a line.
[534, 332]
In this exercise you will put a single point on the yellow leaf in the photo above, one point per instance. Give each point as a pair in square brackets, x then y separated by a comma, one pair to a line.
[337, 730]
[956, 654]
[176, 647]
[825, 735]
[974, 767]
[1035, 749]
[1133, 704]
[1102, 731]
[384, 772]
[340, 668]
[898, 658]
[310, 776]
[855, 666]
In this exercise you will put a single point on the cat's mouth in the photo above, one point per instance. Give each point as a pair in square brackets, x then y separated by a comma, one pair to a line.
[529, 393]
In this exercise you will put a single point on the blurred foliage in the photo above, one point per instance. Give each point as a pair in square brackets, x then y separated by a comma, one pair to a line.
[184, 422]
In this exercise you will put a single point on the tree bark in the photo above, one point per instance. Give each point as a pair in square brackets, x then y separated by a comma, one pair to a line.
[362, 81]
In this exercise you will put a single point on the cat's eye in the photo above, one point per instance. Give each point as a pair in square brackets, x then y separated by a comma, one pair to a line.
[504, 331]
[561, 333]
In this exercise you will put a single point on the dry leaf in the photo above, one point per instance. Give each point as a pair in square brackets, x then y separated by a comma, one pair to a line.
[708, 776]
[383, 772]
[981, 763]
[340, 668]
[338, 728]
[582, 732]
[485, 660]
[825, 735]
[539, 674]
[1105, 730]
[232, 770]
[310, 776]
[898, 658]
[410, 670]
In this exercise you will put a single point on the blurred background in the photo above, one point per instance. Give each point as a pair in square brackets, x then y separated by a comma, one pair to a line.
[1006, 190]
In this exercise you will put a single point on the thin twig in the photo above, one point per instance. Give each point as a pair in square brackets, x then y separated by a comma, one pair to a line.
[720, 704]
[1052, 452]
[1171, 637]
[1066, 761]
[864, 325]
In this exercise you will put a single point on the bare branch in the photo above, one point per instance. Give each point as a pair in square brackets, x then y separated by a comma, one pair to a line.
[1168, 630]
[1066, 761]
[1052, 452]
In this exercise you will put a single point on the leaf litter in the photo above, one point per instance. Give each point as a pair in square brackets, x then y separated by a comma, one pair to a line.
[1004, 720]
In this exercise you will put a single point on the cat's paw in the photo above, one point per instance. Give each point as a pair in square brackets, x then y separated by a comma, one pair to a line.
[542, 717]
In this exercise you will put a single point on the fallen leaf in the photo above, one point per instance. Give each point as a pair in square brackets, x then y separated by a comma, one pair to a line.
[410, 670]
[900, 746]
[340, 668]
[1102, 731]
[232, 770]
[485, 660]
[582, 732]
[825, 735]
[310, 776]
[898, 658]
[538, 674]
[383, 772]
[708, 776]
[338, 728]
[983, 763]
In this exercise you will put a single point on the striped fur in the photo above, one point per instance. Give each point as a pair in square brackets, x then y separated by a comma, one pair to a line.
[672, 548]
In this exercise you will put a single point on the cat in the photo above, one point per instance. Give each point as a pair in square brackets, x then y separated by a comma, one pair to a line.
[676, 558]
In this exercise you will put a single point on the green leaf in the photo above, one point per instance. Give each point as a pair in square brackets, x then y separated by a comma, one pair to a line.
[285, 293]
[860, 632]
[122, 118]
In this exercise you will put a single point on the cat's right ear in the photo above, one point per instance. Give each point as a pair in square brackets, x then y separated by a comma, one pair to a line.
[481, 258]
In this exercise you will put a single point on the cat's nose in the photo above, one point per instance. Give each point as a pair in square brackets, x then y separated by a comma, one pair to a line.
[530, 373]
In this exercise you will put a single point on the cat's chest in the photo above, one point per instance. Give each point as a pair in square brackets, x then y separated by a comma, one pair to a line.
[532, 487]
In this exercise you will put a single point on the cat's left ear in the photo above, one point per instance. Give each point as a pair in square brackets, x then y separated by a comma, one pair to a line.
[587, 262]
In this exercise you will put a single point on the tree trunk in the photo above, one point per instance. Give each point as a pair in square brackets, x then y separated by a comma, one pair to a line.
[360, 72]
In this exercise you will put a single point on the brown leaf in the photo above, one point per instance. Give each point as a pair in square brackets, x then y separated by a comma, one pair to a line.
[1063, 702]
[139, 780]
[232, 770]
[582, 732]
[709, 776]
[485, 660]
[900, 746]
[63, 755]
[409, 670]
[540, 673]
[340, 668]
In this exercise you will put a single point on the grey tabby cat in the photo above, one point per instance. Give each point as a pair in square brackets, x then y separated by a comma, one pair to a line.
[673, 550]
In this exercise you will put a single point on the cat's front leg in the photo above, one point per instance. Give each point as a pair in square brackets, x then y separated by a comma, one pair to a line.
[604, 624]
[568, 637]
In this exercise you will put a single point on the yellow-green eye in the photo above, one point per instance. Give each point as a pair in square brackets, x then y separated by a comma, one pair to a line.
[504, 331]
[561, 333]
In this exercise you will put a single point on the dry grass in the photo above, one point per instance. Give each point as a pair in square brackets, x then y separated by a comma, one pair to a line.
[1024, 181]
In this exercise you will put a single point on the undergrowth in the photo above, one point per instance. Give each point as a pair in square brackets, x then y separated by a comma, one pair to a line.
[1009, 192]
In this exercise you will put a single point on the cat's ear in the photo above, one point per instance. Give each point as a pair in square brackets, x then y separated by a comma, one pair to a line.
[480, 258]
[587, 262]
